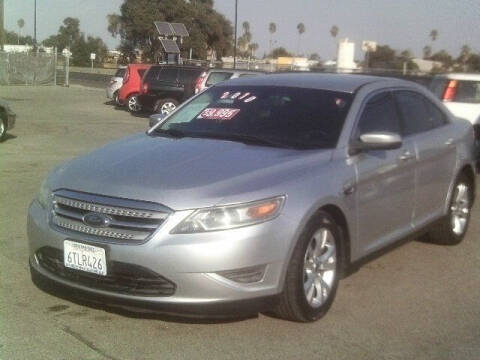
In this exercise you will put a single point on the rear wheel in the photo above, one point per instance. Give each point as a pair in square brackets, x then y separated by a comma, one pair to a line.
[165, 106]
[133, 104]
[116, 99]
[452, 228]
[313, 273]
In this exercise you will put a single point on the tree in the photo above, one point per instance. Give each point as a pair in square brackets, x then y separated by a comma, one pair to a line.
[387, 58]
[334, 31]
[427, 51]
[279, 52]
[433, 36]
[465, 54]
[301, 29]
[272, 28]
[314, 57]
[12, 37]
[209, 30]
[253, 47]
[444, 57]
[20, 24]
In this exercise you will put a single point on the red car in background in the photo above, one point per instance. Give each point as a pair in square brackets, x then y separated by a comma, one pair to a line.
[132, 84]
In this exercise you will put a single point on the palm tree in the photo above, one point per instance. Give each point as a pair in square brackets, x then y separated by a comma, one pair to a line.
[21, 24]
[433, 36]
[465, 54]
[334, 31]
[301, 29]
[246, 27]
[253, 48]
[272, 27]
[427, 51]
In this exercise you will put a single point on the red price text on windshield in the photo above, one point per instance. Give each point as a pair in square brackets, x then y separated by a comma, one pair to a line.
[218, 114]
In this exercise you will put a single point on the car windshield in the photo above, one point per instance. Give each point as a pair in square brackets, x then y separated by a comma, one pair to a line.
[272, 116]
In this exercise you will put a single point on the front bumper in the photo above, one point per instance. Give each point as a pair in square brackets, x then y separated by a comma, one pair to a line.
[191, 262]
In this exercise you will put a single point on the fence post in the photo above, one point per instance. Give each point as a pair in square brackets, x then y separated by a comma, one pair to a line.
[55, 66]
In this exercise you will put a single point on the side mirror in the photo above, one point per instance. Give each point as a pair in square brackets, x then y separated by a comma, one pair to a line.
[155, 119]
[376, 141]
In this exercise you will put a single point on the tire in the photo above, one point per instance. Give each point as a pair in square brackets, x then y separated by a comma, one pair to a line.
[133, 105]
[451, 229]
[300, 301]
[165, 106]
[116, 98]
[3, 128]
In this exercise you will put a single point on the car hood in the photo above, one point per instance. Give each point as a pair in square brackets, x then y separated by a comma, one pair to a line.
[185, 173]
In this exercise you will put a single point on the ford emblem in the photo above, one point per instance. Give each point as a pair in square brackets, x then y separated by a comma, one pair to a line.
[94, 219]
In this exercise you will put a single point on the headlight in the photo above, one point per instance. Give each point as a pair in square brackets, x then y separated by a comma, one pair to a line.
[44, 194]
[230, 217]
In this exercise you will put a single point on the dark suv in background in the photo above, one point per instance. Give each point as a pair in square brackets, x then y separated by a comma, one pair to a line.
[167, 86]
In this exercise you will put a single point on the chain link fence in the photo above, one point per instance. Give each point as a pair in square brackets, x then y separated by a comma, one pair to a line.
[28, 68]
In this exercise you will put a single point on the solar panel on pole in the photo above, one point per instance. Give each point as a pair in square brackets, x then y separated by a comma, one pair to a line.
[170, 46]
[179, 29]
[164, 28]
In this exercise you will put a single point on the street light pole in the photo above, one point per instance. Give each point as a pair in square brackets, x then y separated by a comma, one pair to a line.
[235, 44]
[35, 24]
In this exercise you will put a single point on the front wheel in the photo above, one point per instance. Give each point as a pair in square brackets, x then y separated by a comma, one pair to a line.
[133, 104]
[452, 228]
[313, 273]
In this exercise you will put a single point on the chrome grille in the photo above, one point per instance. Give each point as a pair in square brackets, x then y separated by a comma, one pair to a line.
[129, 220]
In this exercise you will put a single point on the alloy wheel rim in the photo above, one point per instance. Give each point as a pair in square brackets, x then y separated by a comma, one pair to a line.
[319, 267]
[168, 107]
[133, 104]
[460, 209]
[2, 128]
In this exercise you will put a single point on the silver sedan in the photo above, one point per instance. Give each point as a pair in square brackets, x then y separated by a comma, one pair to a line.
[257, 194]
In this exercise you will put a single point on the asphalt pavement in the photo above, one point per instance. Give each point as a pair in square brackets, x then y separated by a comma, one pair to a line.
[419, 301]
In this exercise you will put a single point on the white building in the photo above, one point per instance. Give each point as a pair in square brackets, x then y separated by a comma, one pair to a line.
[346, 55]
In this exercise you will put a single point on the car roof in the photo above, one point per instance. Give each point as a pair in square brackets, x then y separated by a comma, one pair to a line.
[458, 76]
[335, 82]
[236, 71]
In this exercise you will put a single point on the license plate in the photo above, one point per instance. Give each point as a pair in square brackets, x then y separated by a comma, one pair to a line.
[84, 257]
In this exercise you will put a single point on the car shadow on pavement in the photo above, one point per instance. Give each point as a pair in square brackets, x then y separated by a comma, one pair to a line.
[140, 313]
[9, 137]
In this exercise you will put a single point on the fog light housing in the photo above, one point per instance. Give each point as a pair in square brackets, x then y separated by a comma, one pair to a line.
[247, 275]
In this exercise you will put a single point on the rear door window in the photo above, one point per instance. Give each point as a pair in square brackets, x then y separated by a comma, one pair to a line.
[153, 73]
[216, 77]
[415, 117]
[379, 114]
[188, 76]
[120, 73]
[168, 75]
[468, 92]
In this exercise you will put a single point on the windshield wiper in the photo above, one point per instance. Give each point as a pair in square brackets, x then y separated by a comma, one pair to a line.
[175, 133]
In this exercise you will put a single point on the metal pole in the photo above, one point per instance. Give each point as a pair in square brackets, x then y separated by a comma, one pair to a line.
[2, 30]
[35, 24]
[55, 66]
[235, 44]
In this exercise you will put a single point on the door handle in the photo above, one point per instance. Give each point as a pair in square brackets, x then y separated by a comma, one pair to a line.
[407, 155]
[449, 142]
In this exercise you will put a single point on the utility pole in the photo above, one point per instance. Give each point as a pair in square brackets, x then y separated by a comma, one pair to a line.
[235, 43]
[35, 24]
[2, 30]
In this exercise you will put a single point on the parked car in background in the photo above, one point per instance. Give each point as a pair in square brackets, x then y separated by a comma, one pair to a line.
[167, 86]
[7, 119]
[115, 84]
[214, 76]
[255, 195]
[461, 95]
[132, 85]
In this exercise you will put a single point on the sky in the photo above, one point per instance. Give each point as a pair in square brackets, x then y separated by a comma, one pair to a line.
[402, 24]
